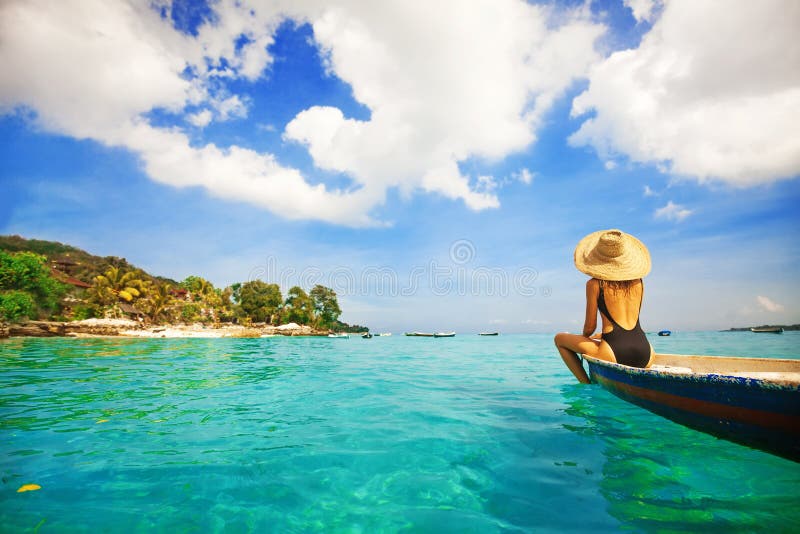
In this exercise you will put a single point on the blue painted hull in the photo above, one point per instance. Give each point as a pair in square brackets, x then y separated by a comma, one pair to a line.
[758, 412]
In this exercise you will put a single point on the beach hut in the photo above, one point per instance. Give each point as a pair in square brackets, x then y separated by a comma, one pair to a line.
[130, 311]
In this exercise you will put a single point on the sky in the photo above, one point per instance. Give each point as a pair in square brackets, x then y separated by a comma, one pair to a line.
[434, 162]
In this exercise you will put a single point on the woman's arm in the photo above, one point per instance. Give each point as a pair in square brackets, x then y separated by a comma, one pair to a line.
[592, 292]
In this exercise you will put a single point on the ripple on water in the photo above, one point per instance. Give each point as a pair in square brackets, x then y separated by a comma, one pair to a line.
[482, 435]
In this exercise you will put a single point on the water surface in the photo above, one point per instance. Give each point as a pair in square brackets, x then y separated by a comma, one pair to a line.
[464, 434]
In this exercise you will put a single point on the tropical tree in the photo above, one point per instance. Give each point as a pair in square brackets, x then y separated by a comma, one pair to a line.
[199, 287]
[26, 286]
[236, 292]
[225, 309]
[213, 303]
[260, 301]
[159, 299]
[326, 305]
[16, 305]
[125, 286]
[299, 307]
[114, 286]
[191, 312]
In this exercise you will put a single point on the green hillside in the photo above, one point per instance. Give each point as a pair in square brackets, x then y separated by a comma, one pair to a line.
[74, 284]
[76, 262]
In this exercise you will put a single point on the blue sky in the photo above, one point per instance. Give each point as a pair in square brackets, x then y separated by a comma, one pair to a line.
[435, 165]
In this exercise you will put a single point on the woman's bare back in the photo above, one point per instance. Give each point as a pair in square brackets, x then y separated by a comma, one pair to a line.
[624, 306]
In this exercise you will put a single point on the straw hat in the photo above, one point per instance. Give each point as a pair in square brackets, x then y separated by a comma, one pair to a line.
[612, 255]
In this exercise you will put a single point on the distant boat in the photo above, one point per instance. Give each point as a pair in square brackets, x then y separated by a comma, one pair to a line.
[752, 401]
[419, 334]
[665, 333]
[444, 334]
[384, 334]
[768, 330]
[489, 334]
[339, 335]
[366, 335]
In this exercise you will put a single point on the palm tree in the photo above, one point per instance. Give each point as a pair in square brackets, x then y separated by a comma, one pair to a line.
[125, 286]
[204, 288]
[159, 298]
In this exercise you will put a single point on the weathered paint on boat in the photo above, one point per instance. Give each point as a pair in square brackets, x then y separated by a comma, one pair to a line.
[752, 401]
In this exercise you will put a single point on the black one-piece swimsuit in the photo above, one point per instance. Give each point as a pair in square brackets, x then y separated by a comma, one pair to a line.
[630, 346]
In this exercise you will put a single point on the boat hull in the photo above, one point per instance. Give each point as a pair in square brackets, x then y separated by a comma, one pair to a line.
[759, 411]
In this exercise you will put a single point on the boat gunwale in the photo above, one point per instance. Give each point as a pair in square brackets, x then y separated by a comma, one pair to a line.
[791, 380]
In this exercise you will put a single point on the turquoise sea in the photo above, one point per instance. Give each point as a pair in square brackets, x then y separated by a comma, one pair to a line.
[466, 434]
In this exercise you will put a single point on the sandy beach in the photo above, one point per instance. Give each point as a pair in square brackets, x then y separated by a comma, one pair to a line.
[133, 329]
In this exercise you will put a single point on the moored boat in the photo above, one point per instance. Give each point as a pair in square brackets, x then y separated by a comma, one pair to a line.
[384, 334]
[444, 334]
[664, 333]
[752, 401]
[767, 330]
[366, 335]
[419, 334]
[341, 334]
[489, 334]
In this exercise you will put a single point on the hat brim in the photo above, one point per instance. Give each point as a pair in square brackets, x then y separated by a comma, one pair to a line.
[632, 264]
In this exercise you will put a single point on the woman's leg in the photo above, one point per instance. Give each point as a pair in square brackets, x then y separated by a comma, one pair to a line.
[570, 345]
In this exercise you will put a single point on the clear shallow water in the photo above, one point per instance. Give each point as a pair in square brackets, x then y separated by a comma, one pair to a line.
[468, 434]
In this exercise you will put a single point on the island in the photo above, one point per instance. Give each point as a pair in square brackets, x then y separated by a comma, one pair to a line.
[764, 326]
[52, 289]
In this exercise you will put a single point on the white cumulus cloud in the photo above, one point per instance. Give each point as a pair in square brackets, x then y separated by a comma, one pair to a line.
[672, 212]
[89, 66]
[443, 81]
[712, 92]
[201, 119]
[768, 304]
[642, 10]
[525, 176]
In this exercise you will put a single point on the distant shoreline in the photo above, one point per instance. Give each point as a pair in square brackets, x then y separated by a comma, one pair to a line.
[747, 328]
[123, 328]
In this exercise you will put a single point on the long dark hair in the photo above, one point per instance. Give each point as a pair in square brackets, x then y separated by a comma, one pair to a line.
[623, 286]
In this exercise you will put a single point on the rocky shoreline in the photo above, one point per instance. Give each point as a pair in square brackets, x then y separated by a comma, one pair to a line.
[133, 329]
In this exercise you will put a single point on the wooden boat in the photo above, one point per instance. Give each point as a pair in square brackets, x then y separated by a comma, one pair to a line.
[489, 334]
[752, 401]
[419, 334]
[768, 330]
[444, 334]
[664, 333]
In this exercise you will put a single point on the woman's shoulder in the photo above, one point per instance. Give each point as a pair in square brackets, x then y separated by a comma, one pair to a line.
[593, 285]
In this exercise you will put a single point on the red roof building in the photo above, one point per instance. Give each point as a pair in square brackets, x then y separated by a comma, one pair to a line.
[67, 279]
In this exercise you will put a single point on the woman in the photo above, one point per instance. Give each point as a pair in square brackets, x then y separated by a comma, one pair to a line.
[617, 262]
